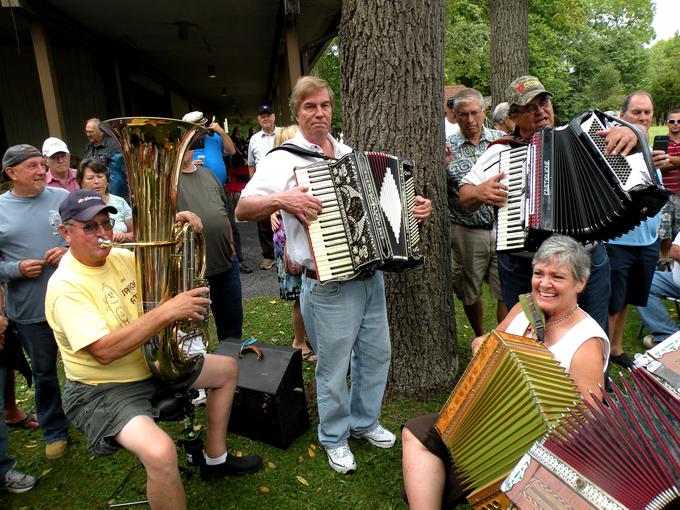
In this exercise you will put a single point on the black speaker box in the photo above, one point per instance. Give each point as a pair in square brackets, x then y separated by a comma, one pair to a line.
[269, 404]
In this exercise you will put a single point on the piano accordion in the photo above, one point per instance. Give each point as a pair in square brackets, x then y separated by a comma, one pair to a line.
[365, 222]
[511, 393]
[623, 454]
[563, 183]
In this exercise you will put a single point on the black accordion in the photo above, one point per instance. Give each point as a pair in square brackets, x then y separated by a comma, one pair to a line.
[563, 183]
[365, 222]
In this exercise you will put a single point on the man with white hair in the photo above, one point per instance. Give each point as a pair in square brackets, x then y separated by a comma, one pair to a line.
[58, 159]
[473, 236]
[501, 118]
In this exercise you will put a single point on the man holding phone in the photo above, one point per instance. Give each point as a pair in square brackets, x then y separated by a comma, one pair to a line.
[670, 144]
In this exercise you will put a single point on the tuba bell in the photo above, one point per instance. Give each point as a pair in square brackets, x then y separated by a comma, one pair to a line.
[169, 257]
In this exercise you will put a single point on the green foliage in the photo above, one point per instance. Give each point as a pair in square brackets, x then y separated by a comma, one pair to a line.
[589, 53]
[605, 91]
[466, 47]
[665, 75]
[328, 68]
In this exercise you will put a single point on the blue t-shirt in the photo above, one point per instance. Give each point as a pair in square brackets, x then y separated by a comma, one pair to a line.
[213, 156]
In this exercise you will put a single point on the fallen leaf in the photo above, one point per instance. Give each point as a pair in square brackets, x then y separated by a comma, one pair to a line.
[271, 465]
[197, 427]
[45, 472]
[311, 453]
[302, 480]
[264, 490]
[312, 446]
[31, 444]
[237, 453]
[272, 302]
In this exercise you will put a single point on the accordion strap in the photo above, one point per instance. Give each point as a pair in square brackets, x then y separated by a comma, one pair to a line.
[296, 149]
[534, 314]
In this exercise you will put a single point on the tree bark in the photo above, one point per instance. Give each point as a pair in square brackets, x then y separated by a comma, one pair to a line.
[509, 20]
[391, 56]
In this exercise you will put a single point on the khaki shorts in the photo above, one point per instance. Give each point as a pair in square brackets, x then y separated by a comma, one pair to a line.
[474, 262]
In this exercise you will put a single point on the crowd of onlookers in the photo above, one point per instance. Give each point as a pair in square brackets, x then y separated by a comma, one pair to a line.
[35, 237]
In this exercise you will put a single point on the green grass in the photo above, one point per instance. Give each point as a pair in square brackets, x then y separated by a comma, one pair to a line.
[296, 478]
[657, 130]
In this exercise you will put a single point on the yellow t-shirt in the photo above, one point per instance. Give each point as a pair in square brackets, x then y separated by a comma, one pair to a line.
[83, 304]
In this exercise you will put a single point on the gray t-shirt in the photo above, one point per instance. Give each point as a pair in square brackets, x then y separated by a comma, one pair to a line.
[201, 193]
[28, 228]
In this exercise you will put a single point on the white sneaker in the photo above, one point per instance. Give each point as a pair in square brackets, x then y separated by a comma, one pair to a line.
[379, 436]
[201, 398]
[649, 342]
[341, 459]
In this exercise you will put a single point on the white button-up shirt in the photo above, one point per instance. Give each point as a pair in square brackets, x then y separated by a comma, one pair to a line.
[260, 144]
[274, 175]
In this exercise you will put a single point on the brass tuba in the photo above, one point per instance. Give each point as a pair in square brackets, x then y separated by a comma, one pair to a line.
[170, 258]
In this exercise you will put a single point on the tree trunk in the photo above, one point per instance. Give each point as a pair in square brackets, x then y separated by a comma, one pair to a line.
[391, 56]
[509, 20]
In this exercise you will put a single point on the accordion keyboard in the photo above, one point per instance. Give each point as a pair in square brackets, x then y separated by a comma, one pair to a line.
[326, 234]
[510, 231]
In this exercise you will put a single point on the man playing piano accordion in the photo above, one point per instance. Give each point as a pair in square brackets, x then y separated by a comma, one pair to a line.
[346, 321]
[531, 109]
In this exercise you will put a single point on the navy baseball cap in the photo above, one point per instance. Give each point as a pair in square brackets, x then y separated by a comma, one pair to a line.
[265, 108]
[83, 205]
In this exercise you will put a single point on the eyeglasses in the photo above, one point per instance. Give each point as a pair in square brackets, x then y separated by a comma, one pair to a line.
[674, 121]
[92, 227]
[533, 108]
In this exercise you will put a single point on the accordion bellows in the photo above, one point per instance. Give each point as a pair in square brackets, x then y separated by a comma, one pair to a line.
[621, 454]
[512, 392]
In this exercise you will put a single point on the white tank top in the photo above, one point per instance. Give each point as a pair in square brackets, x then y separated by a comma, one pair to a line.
[567, 346]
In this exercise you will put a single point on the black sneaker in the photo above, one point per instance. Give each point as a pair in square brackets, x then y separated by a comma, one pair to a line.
[244, 268]
[17, 482]
[621, 360]
[233, 466]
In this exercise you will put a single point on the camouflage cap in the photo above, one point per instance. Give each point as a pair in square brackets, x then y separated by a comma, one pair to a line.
[524, 89]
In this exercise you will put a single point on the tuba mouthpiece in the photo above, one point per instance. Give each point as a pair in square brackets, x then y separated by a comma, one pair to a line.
[104, 243]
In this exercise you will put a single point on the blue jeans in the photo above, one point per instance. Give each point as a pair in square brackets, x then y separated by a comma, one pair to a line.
[227, 306]
[6, 462]
[654, 316]
[347, 327]
[515, 273]
[39, 343]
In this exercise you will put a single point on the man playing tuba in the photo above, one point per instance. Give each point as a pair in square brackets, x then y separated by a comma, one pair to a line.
[91, 305]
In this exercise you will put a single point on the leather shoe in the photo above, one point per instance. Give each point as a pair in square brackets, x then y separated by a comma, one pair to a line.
[621, 360]
[56, 449]
[266, 264]
[244, 268]
[233, 466]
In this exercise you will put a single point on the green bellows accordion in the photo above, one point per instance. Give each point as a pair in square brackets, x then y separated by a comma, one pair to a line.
[512, 392]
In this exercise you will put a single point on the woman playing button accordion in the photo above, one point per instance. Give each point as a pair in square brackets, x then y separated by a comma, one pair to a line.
[560, 272]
